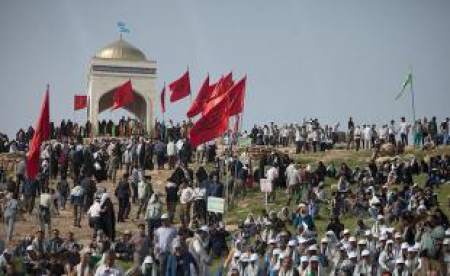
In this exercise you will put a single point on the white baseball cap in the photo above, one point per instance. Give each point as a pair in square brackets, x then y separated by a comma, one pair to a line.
[148, 260]
[204, 228]
[304, 259]
[254, 257]
[292, 243]
[352, 255]
[314, 259]
[165, 216]
[276, 251]
[365, 253]
[313, 248]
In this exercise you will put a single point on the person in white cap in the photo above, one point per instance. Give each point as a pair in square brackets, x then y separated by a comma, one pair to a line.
[362, 245]
[353, 258]
[403, 251]
[313, 250]
[326, 254]
[400, 268]
[252, 268]
[292, 252]
[352, 245]
[386, 260]
[163, 239]
[313, 268]
[148, 267]
[234, 261]
[304, 263]
[371, 241]
[274, 263]
[412, 262]
[198, 248]
[365, 265]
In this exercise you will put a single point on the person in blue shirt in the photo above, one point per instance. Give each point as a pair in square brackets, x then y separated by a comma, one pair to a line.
[180, 261]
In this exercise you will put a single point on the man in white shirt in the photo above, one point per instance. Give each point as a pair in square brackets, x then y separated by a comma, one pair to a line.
[163, 239]
[186, 196]
[272, 176]
[367, 133]
[108, 268]
[404, 130]
[171, 154]
[392, 132]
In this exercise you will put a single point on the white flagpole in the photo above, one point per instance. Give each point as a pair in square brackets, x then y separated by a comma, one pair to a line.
[412, 95]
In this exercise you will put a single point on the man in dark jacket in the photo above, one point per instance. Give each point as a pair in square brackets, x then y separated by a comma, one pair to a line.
[29, 189]
[89, 187]
[123, 193]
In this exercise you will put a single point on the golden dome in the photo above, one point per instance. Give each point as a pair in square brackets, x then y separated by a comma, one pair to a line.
[120, 49]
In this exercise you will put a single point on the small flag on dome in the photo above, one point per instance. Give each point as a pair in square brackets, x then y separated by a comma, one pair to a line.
[122, 27]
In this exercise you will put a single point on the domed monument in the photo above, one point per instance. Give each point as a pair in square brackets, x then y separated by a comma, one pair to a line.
[111, 67]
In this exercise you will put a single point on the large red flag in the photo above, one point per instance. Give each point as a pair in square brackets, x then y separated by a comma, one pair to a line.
[163, 99]
[80, 102]
[180, 88]
[123, 96]
[41, 133]
[202, 96]
[211, 125]
[220, 89]
[236, 96]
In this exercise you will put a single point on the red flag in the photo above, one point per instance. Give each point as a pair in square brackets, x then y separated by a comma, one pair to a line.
[202, 96]
[80, 102]
[163, 99]
[222, 86]
[220, 89]
[211, 125]
[41, 134]
[123, 96]
[180, 88]
[237, 95]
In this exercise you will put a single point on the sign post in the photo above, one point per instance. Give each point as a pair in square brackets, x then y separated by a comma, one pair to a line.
[266, 187]
[216, 205]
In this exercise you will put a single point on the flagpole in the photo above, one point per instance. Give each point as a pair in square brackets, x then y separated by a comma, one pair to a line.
[190, 92]
[412, 95]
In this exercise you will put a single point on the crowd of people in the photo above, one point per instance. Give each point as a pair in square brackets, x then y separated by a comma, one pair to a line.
[401, 228]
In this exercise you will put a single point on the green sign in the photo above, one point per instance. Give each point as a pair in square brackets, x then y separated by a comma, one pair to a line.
[245, 142]
[216, 204]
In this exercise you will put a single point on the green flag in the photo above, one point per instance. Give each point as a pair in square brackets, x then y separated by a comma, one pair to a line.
[407, 82]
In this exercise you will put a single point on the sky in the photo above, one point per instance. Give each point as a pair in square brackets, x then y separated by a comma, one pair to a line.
[325, 59]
